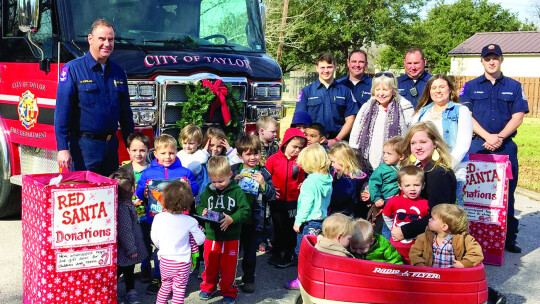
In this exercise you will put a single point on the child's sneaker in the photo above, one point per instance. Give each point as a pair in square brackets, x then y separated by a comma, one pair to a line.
[228, 300]
[262, 247]
[274, 259]
[205, 296]
[293, 285]
[286, 261]
[248, 287]
[132, 297]
[154, 287]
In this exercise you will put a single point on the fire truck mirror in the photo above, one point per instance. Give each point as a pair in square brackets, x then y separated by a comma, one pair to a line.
[28, 14]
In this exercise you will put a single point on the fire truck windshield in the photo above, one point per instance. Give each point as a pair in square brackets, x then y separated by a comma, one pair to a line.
[220, 25]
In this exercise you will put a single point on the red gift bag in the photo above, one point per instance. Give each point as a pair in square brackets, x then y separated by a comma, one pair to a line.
[69, 238]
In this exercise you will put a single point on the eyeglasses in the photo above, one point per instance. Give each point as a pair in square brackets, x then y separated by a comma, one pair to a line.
[387, 74]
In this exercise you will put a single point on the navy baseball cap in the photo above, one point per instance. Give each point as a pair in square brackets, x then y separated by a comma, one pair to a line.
[491, 49]
[301, 117]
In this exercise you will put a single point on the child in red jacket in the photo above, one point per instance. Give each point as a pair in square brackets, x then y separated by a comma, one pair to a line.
[287, 177]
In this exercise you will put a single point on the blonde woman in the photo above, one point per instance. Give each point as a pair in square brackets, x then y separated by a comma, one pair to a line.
[425, 147]
[384, 116]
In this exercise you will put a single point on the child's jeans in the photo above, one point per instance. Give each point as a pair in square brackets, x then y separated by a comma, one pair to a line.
[386, 233]
[174, 276]
[220, 258]
[307, 228]
[146, 227]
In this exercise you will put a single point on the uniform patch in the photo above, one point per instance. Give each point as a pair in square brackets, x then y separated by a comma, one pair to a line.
[462, 90]
[300, 96]
[523, 96]
[64, 74]
[28, 109]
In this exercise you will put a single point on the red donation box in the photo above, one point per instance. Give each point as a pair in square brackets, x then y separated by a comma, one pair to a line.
[486, 199]
[69, 238]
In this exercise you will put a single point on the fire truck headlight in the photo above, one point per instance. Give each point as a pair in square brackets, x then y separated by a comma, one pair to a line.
[136, 117]
[262, 112]
[265, 90]
[147, 117]
[277, 112]
[147, 90]
[132, 90]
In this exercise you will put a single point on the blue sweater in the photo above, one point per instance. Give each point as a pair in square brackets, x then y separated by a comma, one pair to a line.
[158, 171]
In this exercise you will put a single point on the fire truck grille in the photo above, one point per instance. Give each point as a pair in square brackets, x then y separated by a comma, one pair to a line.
[174, 132]
[173, 113]
[175, 94]
[241, 90]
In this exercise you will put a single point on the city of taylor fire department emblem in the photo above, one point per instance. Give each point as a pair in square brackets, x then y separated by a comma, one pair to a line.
[28, 110]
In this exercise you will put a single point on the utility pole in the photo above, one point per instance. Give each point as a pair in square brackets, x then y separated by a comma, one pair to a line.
[282, 34]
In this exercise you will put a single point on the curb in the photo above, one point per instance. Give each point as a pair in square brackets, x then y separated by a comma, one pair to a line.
[528, 193]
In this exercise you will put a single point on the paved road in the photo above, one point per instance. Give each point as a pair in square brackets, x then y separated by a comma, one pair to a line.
[518, 278]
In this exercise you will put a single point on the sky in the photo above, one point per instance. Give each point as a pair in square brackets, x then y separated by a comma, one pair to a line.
[523, 8]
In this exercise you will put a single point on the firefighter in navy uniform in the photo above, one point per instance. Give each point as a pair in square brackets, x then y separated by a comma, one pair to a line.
[357, 80]
[412, 83]
[498, 104]
[92, 98]
[328, 102]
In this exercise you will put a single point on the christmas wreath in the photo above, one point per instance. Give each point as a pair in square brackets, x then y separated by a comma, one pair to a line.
[204, 98]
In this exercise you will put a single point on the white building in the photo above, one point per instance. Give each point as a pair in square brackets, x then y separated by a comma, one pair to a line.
[521, 52]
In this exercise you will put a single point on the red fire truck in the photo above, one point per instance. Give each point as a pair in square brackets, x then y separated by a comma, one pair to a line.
[162, 44]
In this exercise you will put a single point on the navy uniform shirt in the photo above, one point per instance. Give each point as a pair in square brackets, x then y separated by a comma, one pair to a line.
[90, 100]
[361, 91]
[328, 107]
[406, 84]
[493, 105]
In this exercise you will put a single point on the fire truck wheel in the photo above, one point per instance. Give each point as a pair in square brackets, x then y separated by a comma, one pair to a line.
[10, 203]
[10, 195]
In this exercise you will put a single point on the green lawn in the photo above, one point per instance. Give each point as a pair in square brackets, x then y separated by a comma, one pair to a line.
[528, 142]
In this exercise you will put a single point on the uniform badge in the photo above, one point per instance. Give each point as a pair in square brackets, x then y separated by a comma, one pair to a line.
[300, 96]
[28, 110]
[523, 96]
[64, 74]
[462, 90]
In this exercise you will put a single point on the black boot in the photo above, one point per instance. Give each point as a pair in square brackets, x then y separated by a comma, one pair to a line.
[495, 297]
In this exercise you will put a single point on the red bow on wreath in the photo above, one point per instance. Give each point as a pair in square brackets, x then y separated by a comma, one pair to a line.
[220, 91]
